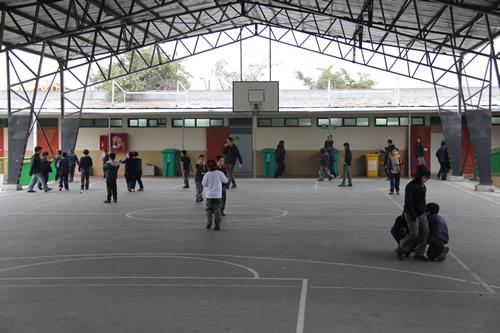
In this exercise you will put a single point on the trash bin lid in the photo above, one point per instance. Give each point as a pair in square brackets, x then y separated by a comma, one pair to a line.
[169, 150]
[268, 150]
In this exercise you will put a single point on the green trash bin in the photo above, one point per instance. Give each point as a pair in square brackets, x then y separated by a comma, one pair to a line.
[268, 162]
[169, 157]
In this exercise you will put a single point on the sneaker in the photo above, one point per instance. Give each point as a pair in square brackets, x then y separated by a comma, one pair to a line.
[320, 180]
[115, 201]
[400, 253]
[222, 214]
[209, 226]
[106, 201]
[421, 257]
[330, 178]
[31, 191]
[48, 189]
[185, 187]
[217, 228]
[349, 185]
[442, 256]
[40, 188]
[141, 190]
[397, 192]
[341, 185]
[391, 193]
[234, 186]
[60, 188]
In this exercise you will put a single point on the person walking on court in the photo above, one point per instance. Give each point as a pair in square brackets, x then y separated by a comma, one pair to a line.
[329, 149]
[219, 159]
[185, 167]
[111, 173]
[64, 170]
[138, 170]
[201, 170]
[104, 159]
[394, 166]
[444, 161]
[419, 149]
[280, 153]
[85, 166]
[414, 214]
[387, 156]
[324, 171]
[36, 171]
[73, 163]
[57, 158]
[232, 155]
[346, 169]
[213, 182]
[46, 169]
[130, 171]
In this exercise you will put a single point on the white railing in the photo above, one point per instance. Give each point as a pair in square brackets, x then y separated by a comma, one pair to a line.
[181, 90]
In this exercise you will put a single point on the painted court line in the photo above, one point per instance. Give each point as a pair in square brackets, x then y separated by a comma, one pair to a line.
[472, 193]
[302, 307]
[55, 202]
[458, 260]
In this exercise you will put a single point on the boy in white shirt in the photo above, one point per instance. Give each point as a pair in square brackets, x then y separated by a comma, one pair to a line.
[213, 182]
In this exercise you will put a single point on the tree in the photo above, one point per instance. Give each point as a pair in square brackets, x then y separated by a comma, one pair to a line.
[159, 78]
[225, 77]
[339, 79]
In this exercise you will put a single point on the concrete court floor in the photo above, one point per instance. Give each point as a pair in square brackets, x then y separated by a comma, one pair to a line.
[294, 255]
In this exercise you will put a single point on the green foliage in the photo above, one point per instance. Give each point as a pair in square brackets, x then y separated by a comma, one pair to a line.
[339, 79]
[159, 78]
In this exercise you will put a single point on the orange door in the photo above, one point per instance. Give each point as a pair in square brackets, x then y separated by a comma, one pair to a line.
[51, 144]
[467, 152]
[1, 143]
[424, 132]
[216, 137]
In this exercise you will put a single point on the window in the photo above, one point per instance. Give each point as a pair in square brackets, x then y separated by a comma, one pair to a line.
[116, 122]
[216, 122]
[152, 122]
[291, 122]
[362, 122]
[277, 122]
[494, 120]
[101, 122]
[191, 122]
[305, 122]
[349, 122]
[264, 122]
[418, 121]
[3, 123]
[391, 121]
[202, 122]
[143, 122]
[335, 122]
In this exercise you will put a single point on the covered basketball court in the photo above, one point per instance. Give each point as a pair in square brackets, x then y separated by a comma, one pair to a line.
[294, 255]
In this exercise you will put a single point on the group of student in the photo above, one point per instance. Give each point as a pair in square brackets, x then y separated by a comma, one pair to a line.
[420, 223]
[216, 177]
[327, 162]
[65, 165]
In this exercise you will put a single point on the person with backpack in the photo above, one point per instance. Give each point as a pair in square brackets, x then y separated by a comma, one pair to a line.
[85, 166]
[72, 163]
[418, 149]
[111, 173]
[213, 182]
[36, 171]
[414, 213]
[394, 163]
[444, 161]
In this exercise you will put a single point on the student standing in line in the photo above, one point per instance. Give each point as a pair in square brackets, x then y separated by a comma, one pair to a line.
[419, 149]
[201, 170]
[220, 166]
[346, 170]
[63, 170]
[324, 164]
[280, 153]
[111, 173]
[444, 161]
[130, 171]
[185, 167]
[36, 171]
[387, 156]
[84, 166]
[394, 166]
[231, 154]
[46, 169]
[138, 169]
[104, 159]
[213, 182]
[73, 163]
[414, 214]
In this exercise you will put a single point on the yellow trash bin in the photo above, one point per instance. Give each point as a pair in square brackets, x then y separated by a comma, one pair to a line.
[371, 165]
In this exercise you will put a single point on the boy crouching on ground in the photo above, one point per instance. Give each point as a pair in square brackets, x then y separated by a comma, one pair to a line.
[438, 234]
[213, 181]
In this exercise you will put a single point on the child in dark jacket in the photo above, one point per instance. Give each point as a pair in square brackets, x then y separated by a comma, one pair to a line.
[84, 167]
[138, 170]
[111, 173]
[63, 171]
[46, 170]
[130, 171]
[201, 170]
[438, 234]
[324, 162]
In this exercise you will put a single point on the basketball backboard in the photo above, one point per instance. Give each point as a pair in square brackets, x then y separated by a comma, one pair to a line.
[260, 96]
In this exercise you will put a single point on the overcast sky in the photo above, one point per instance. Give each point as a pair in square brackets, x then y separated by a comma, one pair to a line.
[286, 60]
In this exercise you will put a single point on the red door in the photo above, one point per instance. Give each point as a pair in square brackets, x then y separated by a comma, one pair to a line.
[424, 132]
[1, 142]
[51, 144]
[216, 138]
[467, 152]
